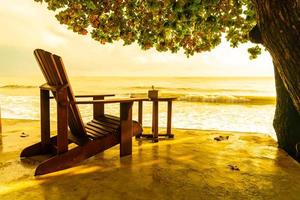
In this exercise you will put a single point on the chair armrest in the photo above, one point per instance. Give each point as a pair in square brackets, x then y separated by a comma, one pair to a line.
[91, 95]
[53, 88]
[124, 100]
[94, 95]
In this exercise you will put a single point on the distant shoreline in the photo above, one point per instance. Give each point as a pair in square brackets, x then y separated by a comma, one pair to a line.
[109, 76]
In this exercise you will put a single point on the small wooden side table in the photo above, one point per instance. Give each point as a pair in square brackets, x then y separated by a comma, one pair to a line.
[154, 136]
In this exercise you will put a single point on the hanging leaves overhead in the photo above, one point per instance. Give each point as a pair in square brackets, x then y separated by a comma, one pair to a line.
[166, 25]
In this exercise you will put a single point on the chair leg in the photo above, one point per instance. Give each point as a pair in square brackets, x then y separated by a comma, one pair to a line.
[98, 109]
[62, 121]
[126, 132]
[45, 117]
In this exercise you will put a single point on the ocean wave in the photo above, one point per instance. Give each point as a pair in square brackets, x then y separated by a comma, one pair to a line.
[229, 99]
[188, 89]
[217, 99]
[12, 86]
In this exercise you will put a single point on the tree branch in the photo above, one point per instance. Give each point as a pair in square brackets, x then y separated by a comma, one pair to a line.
[255, 35]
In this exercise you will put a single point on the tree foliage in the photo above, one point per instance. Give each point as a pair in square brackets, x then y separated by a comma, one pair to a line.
[166, 25]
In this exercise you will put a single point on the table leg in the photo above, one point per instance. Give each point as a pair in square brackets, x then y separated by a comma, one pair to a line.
[140, 117]
[140, 110]
[169, 120]
[155, 121]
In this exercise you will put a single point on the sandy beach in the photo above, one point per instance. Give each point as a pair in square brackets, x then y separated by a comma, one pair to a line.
[193, 165]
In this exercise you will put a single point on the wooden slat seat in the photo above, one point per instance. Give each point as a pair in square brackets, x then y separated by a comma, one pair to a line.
[93, 134]
[101, 127]
[97, 130]
[114, 122]
[107, 125]
[101, 133]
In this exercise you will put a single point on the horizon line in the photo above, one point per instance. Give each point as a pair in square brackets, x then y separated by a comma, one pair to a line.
[143, 76]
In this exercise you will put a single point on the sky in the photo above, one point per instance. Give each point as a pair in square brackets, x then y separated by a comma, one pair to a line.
[27, 25]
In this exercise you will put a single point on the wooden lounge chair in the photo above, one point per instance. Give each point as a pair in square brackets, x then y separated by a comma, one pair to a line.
[102, 133]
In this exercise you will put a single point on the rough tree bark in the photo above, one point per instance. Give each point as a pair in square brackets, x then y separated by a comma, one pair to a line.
[286, 120]
[278, 29]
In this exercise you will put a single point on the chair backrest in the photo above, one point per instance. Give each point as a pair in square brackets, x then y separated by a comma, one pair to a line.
[55, 74]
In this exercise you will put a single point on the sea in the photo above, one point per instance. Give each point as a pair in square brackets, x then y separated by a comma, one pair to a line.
[242, 104]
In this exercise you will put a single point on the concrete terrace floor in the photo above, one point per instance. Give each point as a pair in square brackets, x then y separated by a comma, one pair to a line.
[191, 166]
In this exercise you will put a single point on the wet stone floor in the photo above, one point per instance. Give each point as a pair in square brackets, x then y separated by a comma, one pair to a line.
[194, 165]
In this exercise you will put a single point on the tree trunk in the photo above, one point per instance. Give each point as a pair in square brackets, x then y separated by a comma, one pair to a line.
[286, 120]
[279, 26]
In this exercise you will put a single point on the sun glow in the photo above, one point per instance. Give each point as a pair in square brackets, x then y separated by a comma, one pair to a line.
[52, 40]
